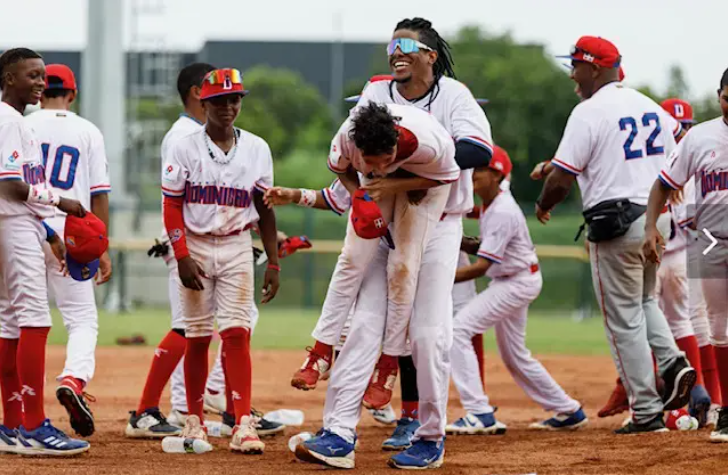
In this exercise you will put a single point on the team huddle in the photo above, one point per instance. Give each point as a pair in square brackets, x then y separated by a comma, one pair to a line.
[407, 162]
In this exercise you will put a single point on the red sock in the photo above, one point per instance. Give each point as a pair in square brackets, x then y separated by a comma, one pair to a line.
[710, 374]
[478, 346]
[411, 409]
[10, 383]
[229, 403]
[166, 358]
[31, 370]
[721, 360]
[196, 360]
[236, 346]
[689, 345]
[323, 349]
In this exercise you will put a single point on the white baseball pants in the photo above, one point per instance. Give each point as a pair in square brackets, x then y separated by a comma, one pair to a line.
[673, 292]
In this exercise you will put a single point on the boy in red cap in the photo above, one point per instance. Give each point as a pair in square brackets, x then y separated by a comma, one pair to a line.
[213, 183]
[508, 257]
[76, 167]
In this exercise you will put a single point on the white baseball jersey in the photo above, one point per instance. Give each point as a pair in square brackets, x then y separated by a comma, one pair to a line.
[73, 155]
[20, 159]
[615, 142]
[337, 197]
[455, 108]
[703, 153]
[218, 198]
[504, 238]
[431, 150]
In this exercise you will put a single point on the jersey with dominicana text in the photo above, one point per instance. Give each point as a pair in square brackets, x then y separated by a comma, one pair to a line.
[455, 108]
[73, 155]
[20, 159]
[504, 238]
[433, 154]
[703, 154]
[218, 197]
[615, 143]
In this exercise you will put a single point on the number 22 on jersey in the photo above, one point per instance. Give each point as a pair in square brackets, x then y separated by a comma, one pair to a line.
[65, 162]
[649, 119]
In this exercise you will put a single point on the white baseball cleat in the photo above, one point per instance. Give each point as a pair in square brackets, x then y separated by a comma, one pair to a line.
[476, 424]
[177, 418]
[385, 415]
[245, 437]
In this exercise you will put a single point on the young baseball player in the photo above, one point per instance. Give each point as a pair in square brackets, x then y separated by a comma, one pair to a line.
[703, 156]
[75, 160]
[210, 182]
[507, 256]
[616, 121]
[24, 202]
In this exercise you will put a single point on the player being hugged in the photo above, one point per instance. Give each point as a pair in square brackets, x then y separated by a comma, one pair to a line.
[25, 318]
[702, 155]
[213, 183]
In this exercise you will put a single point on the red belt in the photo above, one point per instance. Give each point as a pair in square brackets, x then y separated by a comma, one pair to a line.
[237, 232]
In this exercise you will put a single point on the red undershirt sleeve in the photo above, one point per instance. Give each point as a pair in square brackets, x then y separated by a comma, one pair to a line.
[175, 224]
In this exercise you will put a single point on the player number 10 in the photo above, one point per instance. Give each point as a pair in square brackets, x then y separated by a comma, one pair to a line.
[648, 119]
[64, 154]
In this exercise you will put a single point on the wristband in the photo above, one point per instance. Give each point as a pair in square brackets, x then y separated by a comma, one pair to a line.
[50, 233]
[274, 267]
[42, 196]
[308, 198]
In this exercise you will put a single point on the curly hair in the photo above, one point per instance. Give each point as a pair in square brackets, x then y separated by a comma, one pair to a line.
[13, 56]
[429, 36]
[374, 131]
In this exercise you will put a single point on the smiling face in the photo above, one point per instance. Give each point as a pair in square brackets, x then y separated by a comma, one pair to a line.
[584, 75]
[223, 110]
[26, 78]
[405, 67]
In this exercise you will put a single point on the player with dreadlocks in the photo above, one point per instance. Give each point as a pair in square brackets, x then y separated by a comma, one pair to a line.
[421, 67]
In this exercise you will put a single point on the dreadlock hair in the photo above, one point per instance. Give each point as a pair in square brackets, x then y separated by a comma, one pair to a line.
[190, 76]
[13, 56]
[54, 92]
[429, 36]
[374, 131]
[724, 80]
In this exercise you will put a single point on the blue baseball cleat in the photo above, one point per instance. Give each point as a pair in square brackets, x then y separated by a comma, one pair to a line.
[47, 440]
[327, 449]
[9, 443]
[402, 436]
[563, 421]
[699, 404]
[423, 454]
[476, 424]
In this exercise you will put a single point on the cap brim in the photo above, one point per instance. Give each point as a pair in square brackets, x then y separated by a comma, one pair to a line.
[352, 99]
[243, 93]
[688, 121]
[81, 272]
[569, 56]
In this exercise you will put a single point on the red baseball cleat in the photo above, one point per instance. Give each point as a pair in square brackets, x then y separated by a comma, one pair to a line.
[315, 367]
[379, 392]
[71, 396]
[617, 403]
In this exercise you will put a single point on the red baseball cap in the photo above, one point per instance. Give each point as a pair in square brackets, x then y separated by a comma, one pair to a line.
[501, 161]
[86, 242]
[62, 72]
[595, 50]
[681, 110]
[221, 82]
[367, 217]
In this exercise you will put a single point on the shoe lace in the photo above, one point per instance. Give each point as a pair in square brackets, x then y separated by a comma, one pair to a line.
[401, 429]
[90, 398]
[313, 358]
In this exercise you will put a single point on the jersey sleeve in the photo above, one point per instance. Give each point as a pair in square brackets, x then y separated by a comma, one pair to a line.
[266, 178]
[469, 122]
[174, 173]
[679, 166]
[496, 231]
[338, 162]
[671, 125]
[11, 149]
[575, 148]
[337, 197]
[98, 165]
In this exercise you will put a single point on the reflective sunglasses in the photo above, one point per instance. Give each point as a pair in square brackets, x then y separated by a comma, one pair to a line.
[406, 46]
[225, 77]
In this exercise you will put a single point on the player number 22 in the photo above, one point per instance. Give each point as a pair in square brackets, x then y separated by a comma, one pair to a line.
[648, 119]
[64, 154]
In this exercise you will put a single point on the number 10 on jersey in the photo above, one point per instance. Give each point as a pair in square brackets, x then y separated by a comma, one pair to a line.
[64, 155]
[629, 123]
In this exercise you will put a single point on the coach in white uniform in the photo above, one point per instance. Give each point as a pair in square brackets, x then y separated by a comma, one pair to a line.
[76, 167]
[613, 143]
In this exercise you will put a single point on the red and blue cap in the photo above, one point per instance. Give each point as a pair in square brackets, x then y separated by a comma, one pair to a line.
[86, 241]
[595, 50]
[366, 217]
[681, 110]
[62, 72]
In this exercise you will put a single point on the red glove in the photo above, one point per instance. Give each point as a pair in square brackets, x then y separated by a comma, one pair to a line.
[292, 244]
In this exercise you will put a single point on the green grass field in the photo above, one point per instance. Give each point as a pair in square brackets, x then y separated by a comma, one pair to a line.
[291, 329]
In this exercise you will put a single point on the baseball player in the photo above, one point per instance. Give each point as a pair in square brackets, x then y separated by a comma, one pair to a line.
[703, 156]
[613, 141]
[76, 164]
[211, 181]
[507, 256]
[24, 201]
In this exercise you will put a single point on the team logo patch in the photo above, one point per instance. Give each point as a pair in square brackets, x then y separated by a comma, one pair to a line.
[588, 57]
[70, 241]
[175, 235]
[11, 162]
[171, 172]
[379, 223]
[86, 273]
[498, 166]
